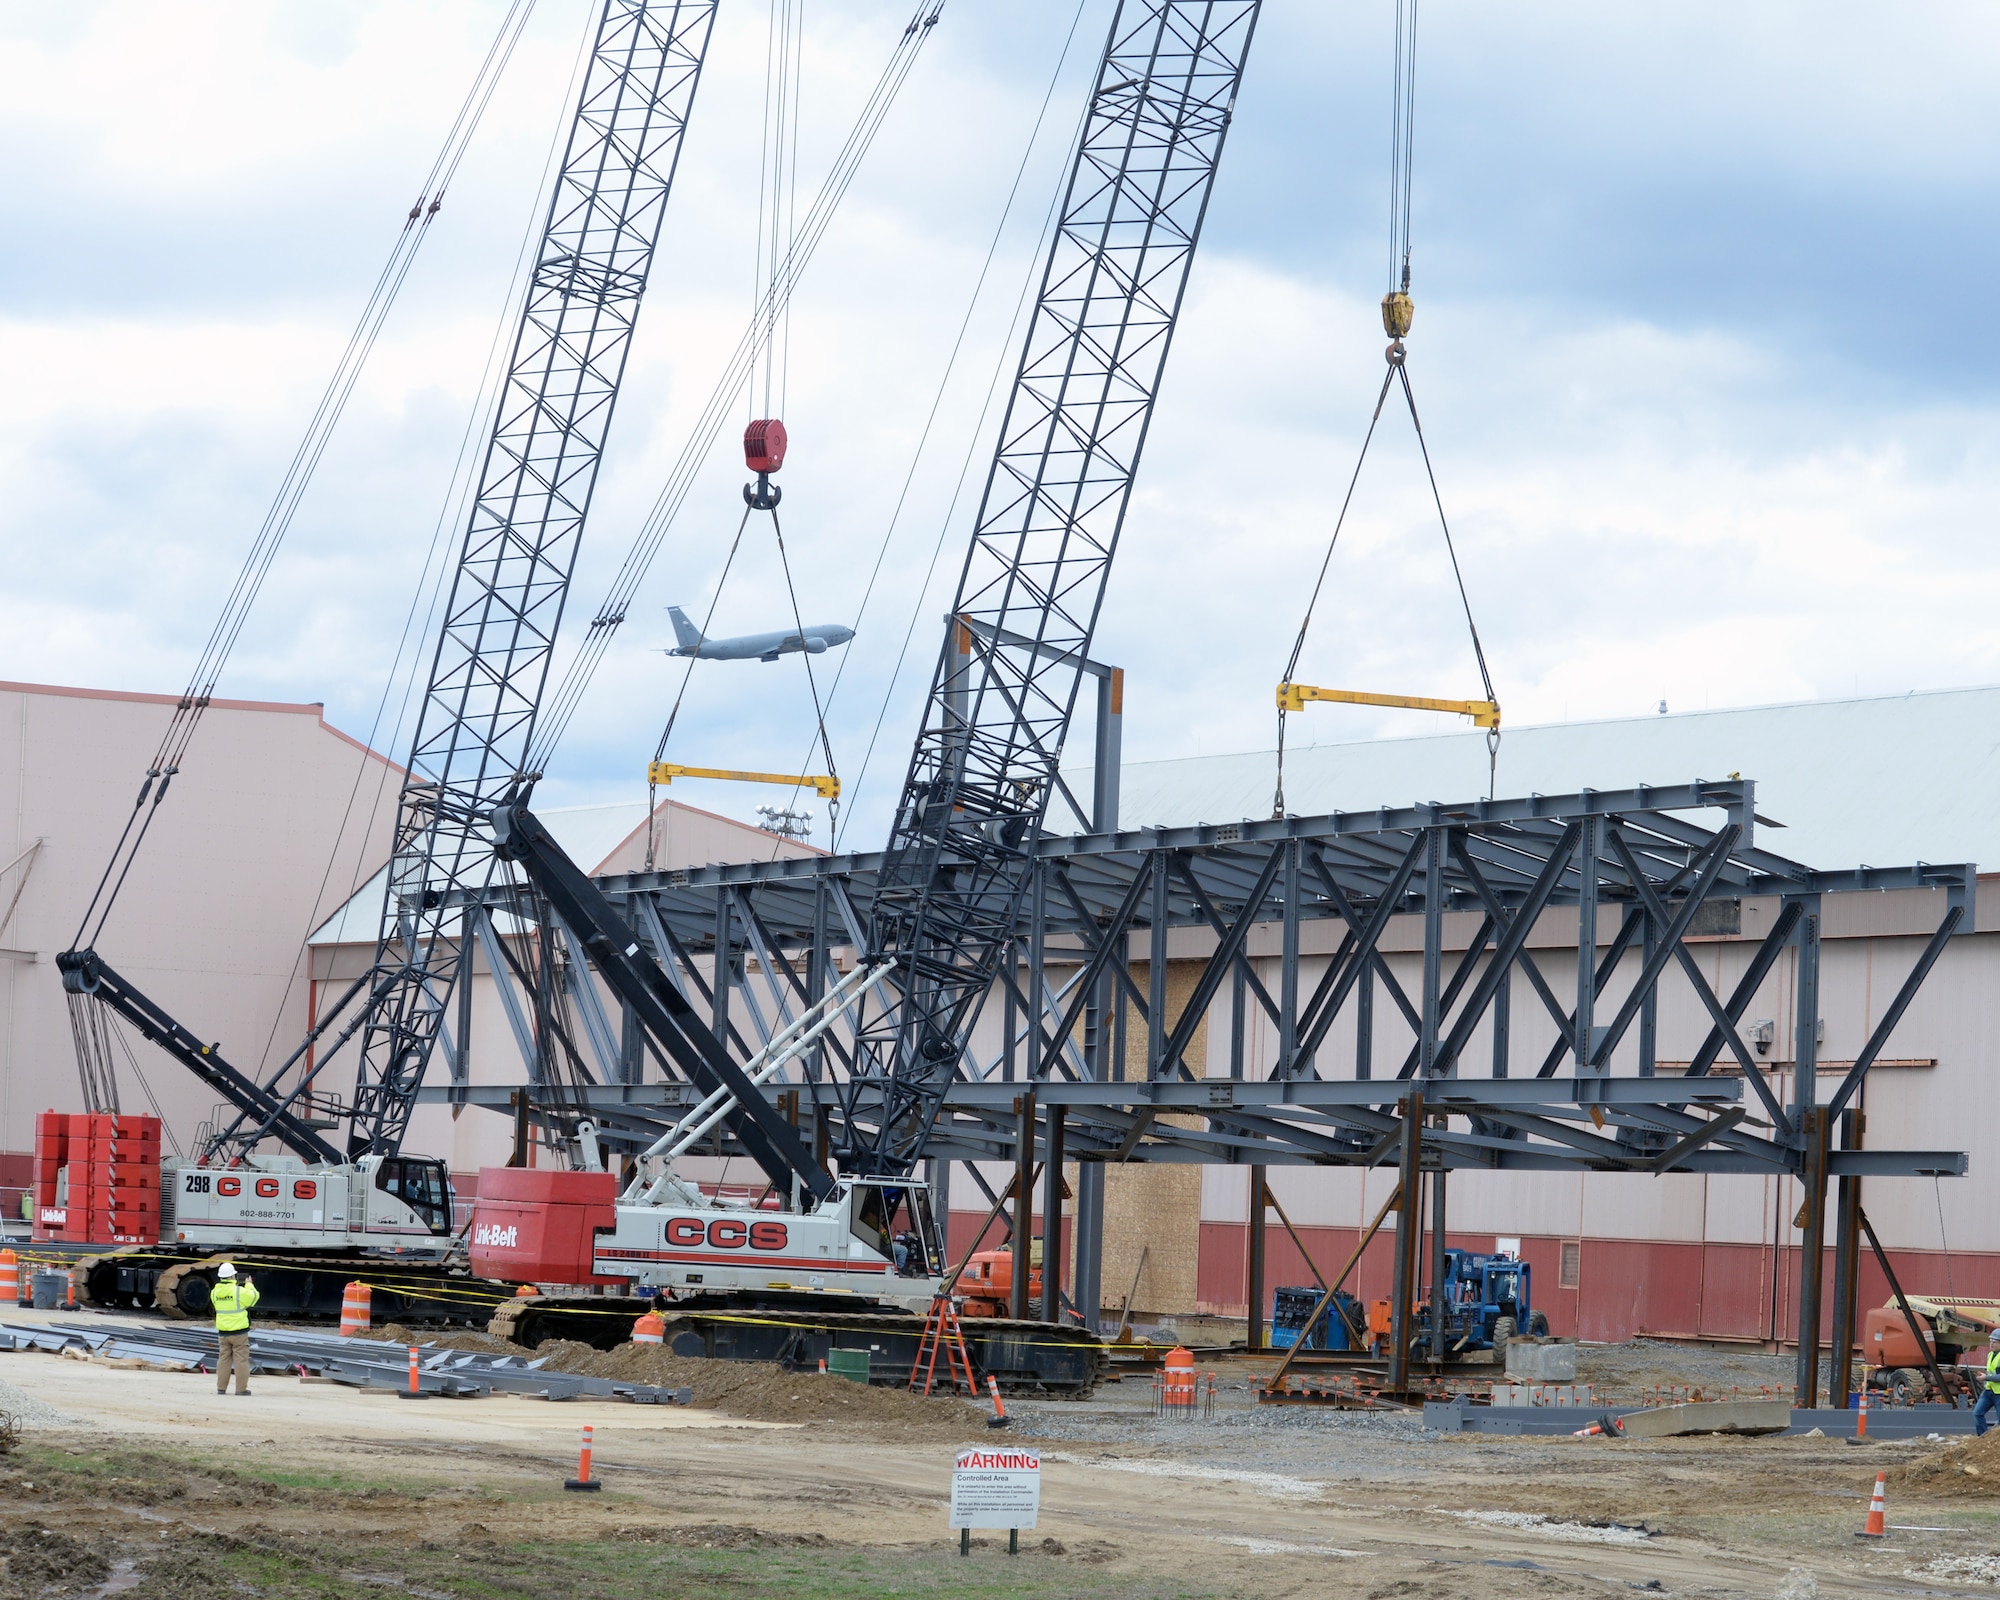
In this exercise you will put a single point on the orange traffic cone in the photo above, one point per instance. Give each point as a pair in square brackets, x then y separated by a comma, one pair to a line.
[1877, 1525]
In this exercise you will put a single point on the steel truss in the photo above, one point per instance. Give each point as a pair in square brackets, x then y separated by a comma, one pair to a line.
[751, 945]
[1100, 902]
[507, 595]
[949, 889]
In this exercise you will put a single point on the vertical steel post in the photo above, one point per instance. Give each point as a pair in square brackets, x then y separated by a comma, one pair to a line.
[1846, 1269]
[1052, 1214]
[1409, 1229]
[1010, 960]
[1109, 753]
[1586, 941]
[1649, 1007]
[1288, 974]
[1040, 1062]
[1157, 1031]
[1239, 995]
[1503, 1020]
[1022, 1241]
[1816, 1134]
[1364, 1023]
[1438, 1298]
[1087, 1209]
[1805, 1050]
[724, 965]
[1120, 1007]
[461, 1066]
[816, 973]
[1817, 1128]
[1433, 948]
[1254, 1252]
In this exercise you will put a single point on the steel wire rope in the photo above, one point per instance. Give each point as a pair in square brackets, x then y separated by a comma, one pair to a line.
[812, 682]
[673, 715]
[979, 427]
[299, 473]
[737, 371]
[1402, 144]
[1339, 522]
[429, 587]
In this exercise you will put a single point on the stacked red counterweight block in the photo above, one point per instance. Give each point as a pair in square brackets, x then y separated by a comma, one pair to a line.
[114, 1178]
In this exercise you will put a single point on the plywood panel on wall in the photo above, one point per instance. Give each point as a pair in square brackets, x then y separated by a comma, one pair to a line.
[1155, 1211]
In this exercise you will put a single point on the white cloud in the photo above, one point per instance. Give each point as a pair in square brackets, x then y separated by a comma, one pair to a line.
[1704, 372]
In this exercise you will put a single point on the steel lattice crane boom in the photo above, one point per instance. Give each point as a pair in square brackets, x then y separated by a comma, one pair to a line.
[506, 598]
[1001, 698]
[471, 750]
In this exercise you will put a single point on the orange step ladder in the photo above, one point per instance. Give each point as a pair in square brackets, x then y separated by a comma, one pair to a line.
[943, 1333]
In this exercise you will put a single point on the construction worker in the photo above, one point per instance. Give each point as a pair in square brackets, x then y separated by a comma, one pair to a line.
[1988, 1405]
[232, 1301]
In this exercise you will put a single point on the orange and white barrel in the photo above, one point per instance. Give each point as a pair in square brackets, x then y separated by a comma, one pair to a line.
[1177, 1380]
[650, 1329]
[354, 1308]
[10, 1278]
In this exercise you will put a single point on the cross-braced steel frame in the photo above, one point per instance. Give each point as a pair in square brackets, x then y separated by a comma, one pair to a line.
[506, 598]
[949, 889]
[1630, 873]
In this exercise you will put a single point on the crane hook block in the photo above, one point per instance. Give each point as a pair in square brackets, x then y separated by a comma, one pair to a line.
[1397, 313]
[764, 445]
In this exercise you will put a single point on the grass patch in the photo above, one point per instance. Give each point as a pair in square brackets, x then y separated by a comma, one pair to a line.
[688, 1564]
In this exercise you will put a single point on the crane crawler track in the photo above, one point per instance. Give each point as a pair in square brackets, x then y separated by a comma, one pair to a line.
[796, 1332]
[175, 1282]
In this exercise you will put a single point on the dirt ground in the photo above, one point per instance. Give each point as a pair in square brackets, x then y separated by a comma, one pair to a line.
[146, 1483]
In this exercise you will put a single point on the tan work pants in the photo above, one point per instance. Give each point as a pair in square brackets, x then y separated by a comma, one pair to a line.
[232, 1355]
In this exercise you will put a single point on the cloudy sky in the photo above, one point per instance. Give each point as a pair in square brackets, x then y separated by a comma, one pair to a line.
[1705, 341]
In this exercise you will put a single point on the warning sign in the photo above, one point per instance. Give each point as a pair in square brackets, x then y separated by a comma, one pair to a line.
[996, 1489]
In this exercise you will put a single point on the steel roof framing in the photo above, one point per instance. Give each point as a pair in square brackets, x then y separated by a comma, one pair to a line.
[1099, 899]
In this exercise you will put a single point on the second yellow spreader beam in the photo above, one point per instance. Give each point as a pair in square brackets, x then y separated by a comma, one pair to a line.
[1484, 713]
[664, 772]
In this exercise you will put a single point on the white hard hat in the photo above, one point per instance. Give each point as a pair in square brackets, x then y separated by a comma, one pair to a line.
[226, 1270]
[1993, 1337]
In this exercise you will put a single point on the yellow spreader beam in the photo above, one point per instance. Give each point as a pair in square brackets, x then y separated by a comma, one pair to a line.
[1484, 713]
[664, 772]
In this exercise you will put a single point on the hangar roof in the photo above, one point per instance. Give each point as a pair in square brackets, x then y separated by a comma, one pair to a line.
[1885, 780]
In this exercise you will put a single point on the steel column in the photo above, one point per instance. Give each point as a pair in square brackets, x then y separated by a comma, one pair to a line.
[1288, 971]
[1052, 1214]
[1021, 1242]
[1586, 942]
[1409, 1229]
[1815, 1128]
[1846, 1270]
[1254, 1339]
[1427, 1035]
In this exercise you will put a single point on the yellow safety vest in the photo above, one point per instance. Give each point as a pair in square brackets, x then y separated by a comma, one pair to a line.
[232, 1301]
[1993, 1372]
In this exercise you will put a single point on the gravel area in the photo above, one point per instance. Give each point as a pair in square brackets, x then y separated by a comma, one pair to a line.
[30, 1412]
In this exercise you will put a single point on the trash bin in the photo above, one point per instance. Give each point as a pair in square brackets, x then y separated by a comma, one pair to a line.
[849, 1364]
[51, 1290]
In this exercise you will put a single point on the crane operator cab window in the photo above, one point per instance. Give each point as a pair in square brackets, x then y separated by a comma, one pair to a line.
[896, 1221]
[420, 1183]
